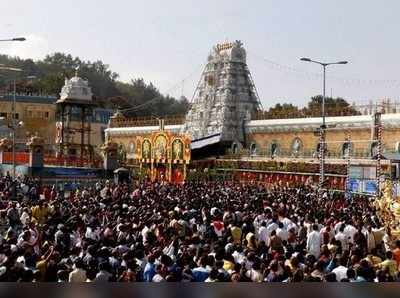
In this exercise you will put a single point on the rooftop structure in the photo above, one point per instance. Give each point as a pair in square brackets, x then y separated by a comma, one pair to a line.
[311, 124]
[76, 90]
[75, 99]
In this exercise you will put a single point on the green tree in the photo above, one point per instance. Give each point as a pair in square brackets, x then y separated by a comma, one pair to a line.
[281, 111]
[144, 98]
[333, 107]
[101, 78]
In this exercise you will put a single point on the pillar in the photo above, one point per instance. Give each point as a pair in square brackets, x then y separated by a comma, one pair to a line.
[152, 176]
[110, 152]
[36, 152]
[5, 145]
[169, 171]
[82, 145]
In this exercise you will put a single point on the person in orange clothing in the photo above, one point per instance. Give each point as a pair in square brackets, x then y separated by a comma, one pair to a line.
[396, 254]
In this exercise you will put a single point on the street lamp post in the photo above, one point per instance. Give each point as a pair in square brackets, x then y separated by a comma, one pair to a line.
[323, 126]
[13, 126]
[14, 39]
[13, 108]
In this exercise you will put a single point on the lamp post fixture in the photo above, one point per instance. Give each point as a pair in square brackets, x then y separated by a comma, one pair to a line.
[323, 126]
[14, 39]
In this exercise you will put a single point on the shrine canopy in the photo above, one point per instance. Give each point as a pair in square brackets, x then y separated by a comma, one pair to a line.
[76, 90]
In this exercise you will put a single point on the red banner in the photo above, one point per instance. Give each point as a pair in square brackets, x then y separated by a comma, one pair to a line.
[21, 158]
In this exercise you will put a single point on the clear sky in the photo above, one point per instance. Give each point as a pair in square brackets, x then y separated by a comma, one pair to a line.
[167, 41]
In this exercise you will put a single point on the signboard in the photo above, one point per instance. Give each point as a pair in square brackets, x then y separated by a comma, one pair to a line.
[362, 179]
[369, 186]
[63, 172]
[354, 185]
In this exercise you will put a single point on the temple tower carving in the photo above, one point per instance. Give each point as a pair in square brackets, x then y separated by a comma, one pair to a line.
[225, 96]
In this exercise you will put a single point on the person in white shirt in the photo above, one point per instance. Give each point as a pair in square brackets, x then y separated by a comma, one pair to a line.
[341, 270]
[314, 242]
[158, 277]
[25, 217]
[103, 275]
[350, 231]
[257, 224]
[369, 234]
[337, 226]
[286, 223]
[387, 240]
[144, 233]
[78, 274]
[255, 275]
[77, 237]
[272, 227]
[292, 225]
[263, 233]
[239, 256]
[213, 277]
[93, 233]
[342, 237]
[281, 232]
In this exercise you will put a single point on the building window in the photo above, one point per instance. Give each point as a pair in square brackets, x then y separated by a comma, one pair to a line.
[374, 149]
[297, 146]
[38, 114]
[253, 149]
[274, 149]
[397, 147]
[235, 148]
[347, 149]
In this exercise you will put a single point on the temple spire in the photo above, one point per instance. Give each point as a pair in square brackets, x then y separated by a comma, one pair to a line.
[225, 97]
[77, 71]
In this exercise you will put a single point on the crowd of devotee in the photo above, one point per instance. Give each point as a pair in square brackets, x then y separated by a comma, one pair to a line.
[195, 232]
